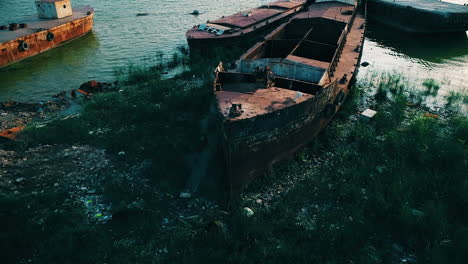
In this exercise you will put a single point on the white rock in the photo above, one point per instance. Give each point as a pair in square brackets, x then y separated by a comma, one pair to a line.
[185, 195]
[368, 114]
[248, 212]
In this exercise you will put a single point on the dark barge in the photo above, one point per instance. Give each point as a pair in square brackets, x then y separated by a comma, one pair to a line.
[242, 25]
[55, 24]
[287, 88]
[420, 16]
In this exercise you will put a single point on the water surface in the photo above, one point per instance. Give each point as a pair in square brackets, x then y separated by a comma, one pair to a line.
[121, 37]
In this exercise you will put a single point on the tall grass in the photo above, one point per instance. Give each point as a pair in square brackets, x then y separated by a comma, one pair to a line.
[394, 191]
[388, 191]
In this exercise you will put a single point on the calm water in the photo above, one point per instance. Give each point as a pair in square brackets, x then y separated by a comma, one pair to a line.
[120, 37]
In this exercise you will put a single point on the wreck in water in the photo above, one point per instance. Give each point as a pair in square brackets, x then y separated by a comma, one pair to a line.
[420, 16]
[55, 24]
[242, 25]
[287, 88]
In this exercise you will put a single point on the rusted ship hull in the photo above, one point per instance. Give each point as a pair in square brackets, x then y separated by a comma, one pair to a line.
[253, 143]
[239, 41]
[238, 28]
[38, 42]
[252, 155]
[422, 17]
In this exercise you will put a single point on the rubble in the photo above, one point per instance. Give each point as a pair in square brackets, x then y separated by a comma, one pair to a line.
[14, 116]
[368, 114]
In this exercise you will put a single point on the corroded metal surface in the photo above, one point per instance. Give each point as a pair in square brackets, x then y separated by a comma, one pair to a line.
[42, 35]
[420, 16]
[253, 17]
[261, 101]
[242, 25]
[277, 121]
[428, 5]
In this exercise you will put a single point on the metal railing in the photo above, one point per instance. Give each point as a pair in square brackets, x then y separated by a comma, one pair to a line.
[339, 50]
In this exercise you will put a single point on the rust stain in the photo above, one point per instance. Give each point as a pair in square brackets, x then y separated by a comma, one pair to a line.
[12, 133]
[243, 25]
[275, 121]
[14, 50]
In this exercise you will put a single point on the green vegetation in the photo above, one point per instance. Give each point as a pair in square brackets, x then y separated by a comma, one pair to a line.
[432, 87]
[391, 190]
[394, 191]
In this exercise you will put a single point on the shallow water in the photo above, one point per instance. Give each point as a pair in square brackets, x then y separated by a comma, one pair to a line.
[121, 37]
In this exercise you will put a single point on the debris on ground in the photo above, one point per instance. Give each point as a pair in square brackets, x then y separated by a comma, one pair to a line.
[92, 87]
[17, 114]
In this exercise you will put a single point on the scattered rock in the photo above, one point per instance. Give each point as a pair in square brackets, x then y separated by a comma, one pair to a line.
[417, 213]
[368, 114]
[20, 180]
[248, 212]
[185, 195]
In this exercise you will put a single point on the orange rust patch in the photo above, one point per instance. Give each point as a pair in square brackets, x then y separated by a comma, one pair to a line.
[12, 133]
[431, 115]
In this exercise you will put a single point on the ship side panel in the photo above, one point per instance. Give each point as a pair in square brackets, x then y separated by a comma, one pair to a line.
[12, 51]
[257, 143]
[416, 20]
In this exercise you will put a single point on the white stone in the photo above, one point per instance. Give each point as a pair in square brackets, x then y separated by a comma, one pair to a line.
[248, 212]
[368, 114]
[185, 195]
[54, 9]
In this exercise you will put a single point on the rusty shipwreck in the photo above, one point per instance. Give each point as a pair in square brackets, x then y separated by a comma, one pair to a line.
[287, 88]
[55, 24]
[420, 16]
[242, 25]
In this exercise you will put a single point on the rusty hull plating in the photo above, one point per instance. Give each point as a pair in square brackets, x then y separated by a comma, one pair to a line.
[242, 25]
[313, 58]
[41, 35]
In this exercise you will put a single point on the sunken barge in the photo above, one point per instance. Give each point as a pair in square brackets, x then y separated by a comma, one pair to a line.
[243, 25]
[420, 16]
[55, 24]
[287, 88]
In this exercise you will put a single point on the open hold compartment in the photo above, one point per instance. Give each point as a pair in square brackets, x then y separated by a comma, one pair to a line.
[246, 83]
[315, 51]
[314, 38]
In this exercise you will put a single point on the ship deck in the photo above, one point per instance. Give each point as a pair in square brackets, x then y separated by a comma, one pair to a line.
[349, 59]
[36, 24]
[241, 21]
[258, 101]
[263, 101]
[328, 10]
[257, 14]
[428, 5]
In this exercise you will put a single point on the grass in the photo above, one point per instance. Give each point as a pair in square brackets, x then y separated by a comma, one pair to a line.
[394, 191]
[432, 87]
[388, 191]
[154, 123]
